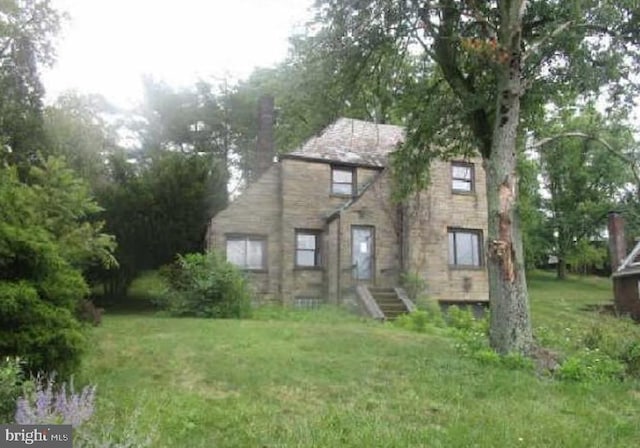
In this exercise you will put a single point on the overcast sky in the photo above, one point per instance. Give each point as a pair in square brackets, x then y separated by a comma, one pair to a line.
[108, 45]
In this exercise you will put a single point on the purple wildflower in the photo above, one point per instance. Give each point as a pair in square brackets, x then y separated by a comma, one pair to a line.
[48, 404]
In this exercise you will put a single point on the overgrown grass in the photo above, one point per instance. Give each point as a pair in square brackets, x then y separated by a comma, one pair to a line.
[304, 378]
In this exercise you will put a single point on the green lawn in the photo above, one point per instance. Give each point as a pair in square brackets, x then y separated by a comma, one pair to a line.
[307, 381]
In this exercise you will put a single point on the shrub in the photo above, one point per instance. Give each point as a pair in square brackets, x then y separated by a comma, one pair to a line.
[47, 337]
[47, 235]
[588, 365]
[414, 321]
[49, 403]
[463, 319]
[419, 320]
[413, 284]
[206, 286]
[617, 339]
[10, 381]
[45, 402]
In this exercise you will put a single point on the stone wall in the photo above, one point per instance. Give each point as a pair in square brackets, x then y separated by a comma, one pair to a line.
[256, 212]
[307, 202]
[429, 217]
[296, 194]
[374, 208]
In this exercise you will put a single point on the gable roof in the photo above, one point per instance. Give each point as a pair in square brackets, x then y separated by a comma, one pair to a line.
[352, 141]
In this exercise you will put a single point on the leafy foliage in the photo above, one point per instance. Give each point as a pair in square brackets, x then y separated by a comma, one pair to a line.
[27, 28]
[207, 286]
[582, 178]
[11, 377]
[46, 239]
[487, 69]
[591, 365]
[77, 129]
[158, 209]
[536, 233]
[417, 321]
[52, 403]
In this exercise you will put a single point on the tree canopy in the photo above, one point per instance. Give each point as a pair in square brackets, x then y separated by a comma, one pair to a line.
[489, 69]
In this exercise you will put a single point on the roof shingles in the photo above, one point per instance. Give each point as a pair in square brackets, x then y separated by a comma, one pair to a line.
[353, 141]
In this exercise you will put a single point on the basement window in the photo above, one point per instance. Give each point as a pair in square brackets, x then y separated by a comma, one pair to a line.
[342, 180]
[247, 251]
[462, 177]
[307, 303]
[465, 248]
[308, 248]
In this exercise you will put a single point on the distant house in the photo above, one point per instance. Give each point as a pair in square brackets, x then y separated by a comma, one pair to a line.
[319, 225]
[625, 269]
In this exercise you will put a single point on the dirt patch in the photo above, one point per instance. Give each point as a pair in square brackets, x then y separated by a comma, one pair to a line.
[546, 361]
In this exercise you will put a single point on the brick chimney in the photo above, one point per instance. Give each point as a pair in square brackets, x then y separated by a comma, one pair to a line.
[265, 146]
[617, 242]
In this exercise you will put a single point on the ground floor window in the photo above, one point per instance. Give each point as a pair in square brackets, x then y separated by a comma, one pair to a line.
[308, 248]
[465, 247]
[247, 251]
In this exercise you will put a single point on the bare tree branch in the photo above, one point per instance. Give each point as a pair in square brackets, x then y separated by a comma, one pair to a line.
[536, 46]
[633, 165]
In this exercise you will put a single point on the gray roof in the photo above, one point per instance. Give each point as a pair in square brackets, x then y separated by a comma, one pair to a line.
[353, 141]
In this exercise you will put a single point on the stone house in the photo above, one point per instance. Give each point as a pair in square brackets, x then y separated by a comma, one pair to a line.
[319, 225]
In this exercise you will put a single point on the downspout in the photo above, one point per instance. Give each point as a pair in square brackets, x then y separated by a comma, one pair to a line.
[280, 229]
[338, 264]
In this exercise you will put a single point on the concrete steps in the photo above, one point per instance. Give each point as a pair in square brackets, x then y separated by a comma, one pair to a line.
[388, 301]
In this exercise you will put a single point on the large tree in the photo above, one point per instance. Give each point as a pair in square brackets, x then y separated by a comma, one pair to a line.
[77, 128]
[312, 89]
[27, 30]
[582, 175]
[491, 67]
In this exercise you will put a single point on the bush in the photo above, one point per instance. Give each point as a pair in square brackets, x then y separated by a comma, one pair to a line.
[49, 403]
[10, 381]
[471, 335]
[420, 320]
[413, 284]
[47, 337]
[618, 340]
[414, 321]
[47, 235]
[463, 319]
[206, 286]
[46, 402]
[591, 366]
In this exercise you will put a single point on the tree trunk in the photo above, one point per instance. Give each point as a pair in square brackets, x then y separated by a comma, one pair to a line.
[510, 330]
[561, 269]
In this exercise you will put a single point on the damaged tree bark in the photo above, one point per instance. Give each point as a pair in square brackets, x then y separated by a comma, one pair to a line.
[510, 321]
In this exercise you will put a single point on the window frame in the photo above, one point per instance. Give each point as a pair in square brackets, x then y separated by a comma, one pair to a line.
[352, 170]
[246, 237]
[307, 302]
[317, 252]
[454, 255]
[471, 181]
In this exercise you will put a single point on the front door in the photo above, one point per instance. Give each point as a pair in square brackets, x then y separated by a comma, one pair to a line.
[362, 252]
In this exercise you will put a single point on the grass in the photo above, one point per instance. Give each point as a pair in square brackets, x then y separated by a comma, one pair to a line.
[325, 379]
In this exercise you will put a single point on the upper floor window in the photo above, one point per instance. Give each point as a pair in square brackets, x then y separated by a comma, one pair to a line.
[247, 251]
[462, 177]
[342, 180]
[465, 247]
[307, 248]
